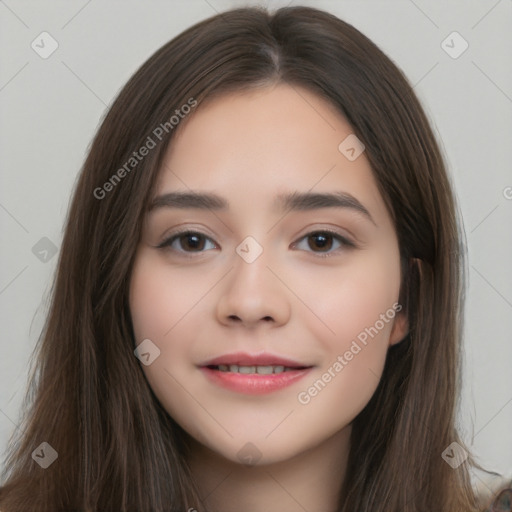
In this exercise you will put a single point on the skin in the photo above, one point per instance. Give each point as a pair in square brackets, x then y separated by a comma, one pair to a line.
[247, 147]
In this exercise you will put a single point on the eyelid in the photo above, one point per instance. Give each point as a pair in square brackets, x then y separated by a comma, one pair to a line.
[345, 241]
[182, 231]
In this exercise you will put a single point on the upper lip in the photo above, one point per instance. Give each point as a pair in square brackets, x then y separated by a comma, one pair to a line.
[245, 359]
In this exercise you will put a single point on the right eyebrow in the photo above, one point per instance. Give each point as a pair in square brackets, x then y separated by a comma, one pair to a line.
[192, 199]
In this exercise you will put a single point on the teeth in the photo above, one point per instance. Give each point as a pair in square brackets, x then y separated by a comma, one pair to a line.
[260, 370]
[264, 370]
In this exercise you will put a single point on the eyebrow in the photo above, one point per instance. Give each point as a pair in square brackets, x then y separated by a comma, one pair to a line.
[294, 201]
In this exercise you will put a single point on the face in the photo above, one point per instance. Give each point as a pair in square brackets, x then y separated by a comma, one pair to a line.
[259, 283]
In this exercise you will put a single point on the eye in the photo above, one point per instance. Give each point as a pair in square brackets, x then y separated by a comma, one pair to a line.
[324, 240]
[321, 242]
[184, 240]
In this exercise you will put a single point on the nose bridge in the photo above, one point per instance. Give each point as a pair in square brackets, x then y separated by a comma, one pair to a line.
[252, 292]
[250, 265]
[250, 250]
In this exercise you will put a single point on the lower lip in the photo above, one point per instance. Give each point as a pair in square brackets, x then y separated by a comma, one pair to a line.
[254, 383]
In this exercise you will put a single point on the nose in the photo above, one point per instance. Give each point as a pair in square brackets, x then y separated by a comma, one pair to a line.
[252, 295]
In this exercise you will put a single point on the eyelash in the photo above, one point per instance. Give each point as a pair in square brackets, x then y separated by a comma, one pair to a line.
[165, 245]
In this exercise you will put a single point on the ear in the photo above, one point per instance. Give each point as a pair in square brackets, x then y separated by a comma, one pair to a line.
[400, 328]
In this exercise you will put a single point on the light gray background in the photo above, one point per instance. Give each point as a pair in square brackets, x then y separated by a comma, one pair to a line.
[52, 107]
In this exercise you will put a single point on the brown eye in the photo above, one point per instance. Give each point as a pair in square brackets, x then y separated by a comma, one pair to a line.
[186, 242]
[191, 241]
[322, 241]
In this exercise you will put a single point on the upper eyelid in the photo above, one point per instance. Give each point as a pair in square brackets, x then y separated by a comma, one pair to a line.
[345, 239]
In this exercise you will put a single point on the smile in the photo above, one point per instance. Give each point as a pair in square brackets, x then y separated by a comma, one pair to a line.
[253, 380]
[248, 370]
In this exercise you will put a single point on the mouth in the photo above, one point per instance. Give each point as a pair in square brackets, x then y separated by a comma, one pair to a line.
[253, 374]
[255, 369]
[233, 362]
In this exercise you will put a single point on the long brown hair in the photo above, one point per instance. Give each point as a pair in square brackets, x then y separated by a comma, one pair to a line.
[117, 447]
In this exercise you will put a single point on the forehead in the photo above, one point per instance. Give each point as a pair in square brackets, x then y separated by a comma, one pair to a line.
[252, 146]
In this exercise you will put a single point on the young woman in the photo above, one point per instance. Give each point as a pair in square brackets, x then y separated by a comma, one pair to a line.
[259, 293]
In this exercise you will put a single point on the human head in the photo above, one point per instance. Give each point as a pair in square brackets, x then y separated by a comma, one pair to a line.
[243, 50]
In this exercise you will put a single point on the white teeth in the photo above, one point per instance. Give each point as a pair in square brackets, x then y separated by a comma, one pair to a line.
[247, 369]
[261, 370]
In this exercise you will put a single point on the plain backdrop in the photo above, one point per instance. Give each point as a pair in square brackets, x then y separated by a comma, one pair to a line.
[51, 107]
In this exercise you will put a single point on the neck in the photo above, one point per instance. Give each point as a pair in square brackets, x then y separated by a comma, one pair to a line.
[310, 480]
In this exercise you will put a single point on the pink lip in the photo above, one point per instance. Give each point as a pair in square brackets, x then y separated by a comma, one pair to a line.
[245, 359]
[253, 384]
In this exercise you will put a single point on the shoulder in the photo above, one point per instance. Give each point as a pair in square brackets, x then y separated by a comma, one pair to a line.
[494, 491]
[502, 502]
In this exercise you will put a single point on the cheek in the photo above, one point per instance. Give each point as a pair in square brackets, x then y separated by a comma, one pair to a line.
[357, 306]
[160, 297]
[164, 305]
[350, 300]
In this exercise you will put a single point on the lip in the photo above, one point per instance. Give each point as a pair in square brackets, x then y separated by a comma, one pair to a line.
[254, 383]
[263, 359]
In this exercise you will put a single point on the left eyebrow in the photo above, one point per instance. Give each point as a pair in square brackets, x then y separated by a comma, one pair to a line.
[297, 201]
[294, 201]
